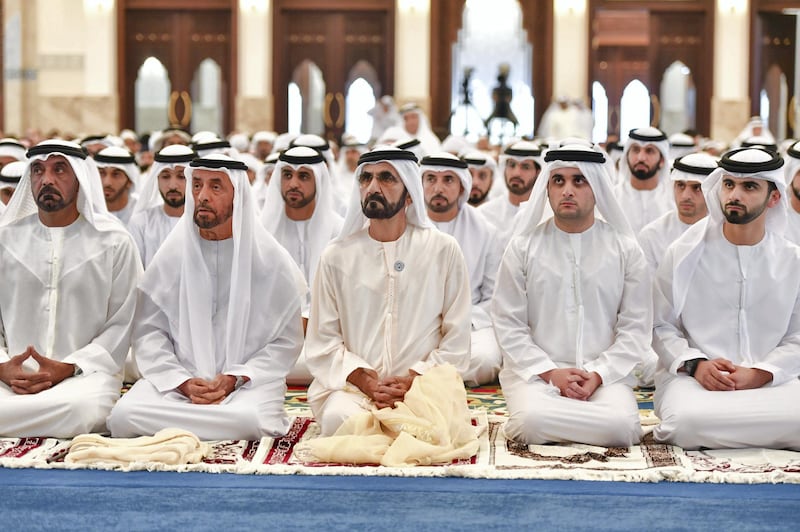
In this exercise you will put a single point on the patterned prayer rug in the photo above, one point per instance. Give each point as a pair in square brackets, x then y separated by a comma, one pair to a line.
[497, 457]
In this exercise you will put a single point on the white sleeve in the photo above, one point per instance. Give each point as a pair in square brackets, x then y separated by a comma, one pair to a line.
[107, 351]
[669, 336]
[634, 324]
[454, 346]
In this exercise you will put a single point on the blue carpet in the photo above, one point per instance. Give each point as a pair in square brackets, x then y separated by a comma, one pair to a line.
[101, 500]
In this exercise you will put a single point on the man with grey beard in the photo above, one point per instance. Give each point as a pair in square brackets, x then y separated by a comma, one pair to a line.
[65, 320]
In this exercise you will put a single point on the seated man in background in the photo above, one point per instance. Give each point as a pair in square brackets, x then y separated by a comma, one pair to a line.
[446, 183]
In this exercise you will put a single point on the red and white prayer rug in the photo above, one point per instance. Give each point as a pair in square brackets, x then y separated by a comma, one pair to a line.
[496, 458]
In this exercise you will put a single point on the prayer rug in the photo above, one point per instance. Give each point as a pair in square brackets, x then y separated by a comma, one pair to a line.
[497, 458]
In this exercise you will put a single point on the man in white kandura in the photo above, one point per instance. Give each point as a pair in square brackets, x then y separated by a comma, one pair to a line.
[792, 174]
[65, 320]
[482, 168]
[446, 183]
[571, 309]
[161, 201]
[415, 124]
[642, 187]
[299, 213]
[218, 319]
[521, 165]
[727, 316]
[391, 296]
[687, 175]
[119, 175]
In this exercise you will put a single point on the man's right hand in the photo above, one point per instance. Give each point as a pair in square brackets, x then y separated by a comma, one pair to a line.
[202, 392]
[22, 381]
[714, 375]
[381, 393]
[570, 382]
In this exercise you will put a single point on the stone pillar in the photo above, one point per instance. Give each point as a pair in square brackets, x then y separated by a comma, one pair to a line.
[20, 63]
[254, 100]
[412, 53]
[730, 103]
[570, 50]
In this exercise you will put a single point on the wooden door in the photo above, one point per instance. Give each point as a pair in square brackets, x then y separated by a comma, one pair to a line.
[620, 40]
[193, 46]
[334, 43]
[641, 43]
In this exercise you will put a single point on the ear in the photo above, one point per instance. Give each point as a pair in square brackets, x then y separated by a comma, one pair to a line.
[774, 198]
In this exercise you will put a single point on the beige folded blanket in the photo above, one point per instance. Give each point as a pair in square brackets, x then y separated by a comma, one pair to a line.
[431, 426]
[168, 446]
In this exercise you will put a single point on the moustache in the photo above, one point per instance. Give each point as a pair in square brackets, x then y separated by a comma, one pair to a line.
[377, 198]
[439, 196]
[49, 190]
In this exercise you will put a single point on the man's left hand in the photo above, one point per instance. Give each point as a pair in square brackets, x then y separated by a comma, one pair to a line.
[396, 387]
[584, 389]
[749, 378]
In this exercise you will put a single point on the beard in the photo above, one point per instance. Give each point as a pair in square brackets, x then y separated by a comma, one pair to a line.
[440, 207]
[520, 188]
[796, 191]
[173, 201]
[50, 199]
[298, 203]
[377, 207]
[113, 195]
[744, 216]
[644, 174]
[476, 196]
[209, 218]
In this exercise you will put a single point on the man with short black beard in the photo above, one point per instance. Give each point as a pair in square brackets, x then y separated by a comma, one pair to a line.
[161, 202]
[521, 165]
[299, 213]
[726, 302]
[481, 167]
[391, 296]
[446, 183]
[642, 189]
[792, 173]
[119, 175]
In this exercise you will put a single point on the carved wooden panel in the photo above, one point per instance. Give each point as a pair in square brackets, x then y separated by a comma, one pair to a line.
[181, 40]
[335, 35]
[640, 40]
